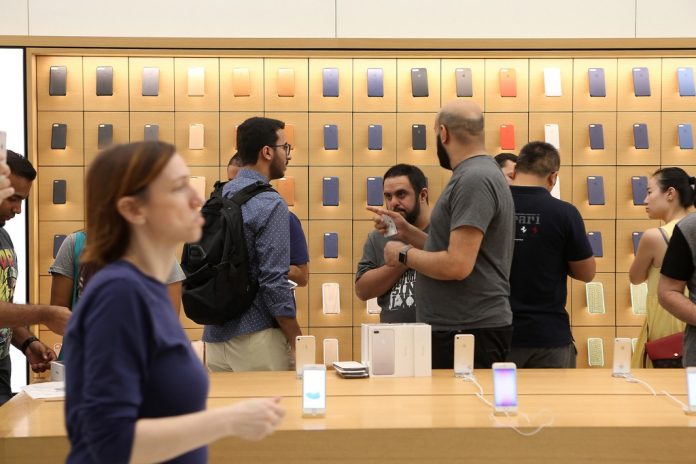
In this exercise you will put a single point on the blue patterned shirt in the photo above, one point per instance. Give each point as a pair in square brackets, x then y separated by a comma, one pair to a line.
[267, 234]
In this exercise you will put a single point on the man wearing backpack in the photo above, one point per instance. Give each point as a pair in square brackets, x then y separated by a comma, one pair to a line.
[263, 337]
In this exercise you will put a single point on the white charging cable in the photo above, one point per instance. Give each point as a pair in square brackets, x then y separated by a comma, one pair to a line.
[629, 378]
[675, 399]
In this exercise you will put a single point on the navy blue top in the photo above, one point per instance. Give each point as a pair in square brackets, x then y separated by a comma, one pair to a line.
[127, 358]
[298, 242]
[548, 233]
[267, 234]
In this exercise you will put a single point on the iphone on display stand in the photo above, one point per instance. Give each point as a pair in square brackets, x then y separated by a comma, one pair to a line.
[314, 390]
[622, 357]
[505, 388]
[691, 390]
[305, 352]
[463, 355]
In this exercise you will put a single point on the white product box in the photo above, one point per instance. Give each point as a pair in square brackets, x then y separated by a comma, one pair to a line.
[396, 350]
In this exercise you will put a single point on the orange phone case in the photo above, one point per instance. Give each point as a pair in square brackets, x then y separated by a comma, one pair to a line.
[286, 82]
[508, 82]
[507, 136]
[241, 83]
[286, 189]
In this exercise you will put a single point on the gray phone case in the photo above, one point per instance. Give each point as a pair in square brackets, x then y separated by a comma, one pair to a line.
[419, 82]
[375, 82]
[464, 82]
[641, 82]
[58, 81]
[59, 136]
[105, 135]
[151, 82]
[105, 81]
[418, 141]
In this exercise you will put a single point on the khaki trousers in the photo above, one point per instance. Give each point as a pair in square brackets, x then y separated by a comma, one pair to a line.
[266, 350]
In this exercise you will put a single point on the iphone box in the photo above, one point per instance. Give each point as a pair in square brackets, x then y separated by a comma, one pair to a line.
[396, 350]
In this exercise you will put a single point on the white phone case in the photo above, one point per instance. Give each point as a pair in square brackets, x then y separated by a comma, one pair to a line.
[372, 306]
[330, 351]
[552, 136]
[196, 82]
[639, 298]
[305, 352]
[196, 137]
[595, 352]
[622, 357]
[594, 292]
[330, 298]
[552, 82]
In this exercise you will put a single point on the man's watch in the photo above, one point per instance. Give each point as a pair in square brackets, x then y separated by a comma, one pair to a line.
[26, 343]
[403, 254]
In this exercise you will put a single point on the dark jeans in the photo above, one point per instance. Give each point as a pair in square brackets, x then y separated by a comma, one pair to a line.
[562, 357]
[5, 375]
[490, 345]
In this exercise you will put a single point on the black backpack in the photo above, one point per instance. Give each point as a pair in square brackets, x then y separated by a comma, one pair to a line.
[217, 288]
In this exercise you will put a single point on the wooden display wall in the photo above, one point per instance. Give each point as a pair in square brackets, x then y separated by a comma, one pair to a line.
[221, 108]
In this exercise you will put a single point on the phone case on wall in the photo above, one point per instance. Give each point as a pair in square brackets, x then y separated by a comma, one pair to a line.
[639, 297]
[597, 84]
[419, 82]
[151, 132]
[635, 236]
[463, 80]
[286, 82]
[552, 82]
[330, 351]
[196, 82]
[507, 136]
[330, 82]
[196, 137]
[331, 298]
[58, 81]
[330, 191]
[374, 137]
[641, 82]
[241, 82]
[685, 80]
[60, 191]
[150, 82]
[57, 242]
[331, 245]
[639, 186]
[552, 135]
[383, 351]
[59, 136]
[418, 139]
[105, 81]
[595, 352]
[640, 136]
[375, 82]
[330, 137]
[594, 293]
[286, 189]
[595, 190]
[596, 136]
[375, 195]
[685, 136]
[105, 135]
[595, 239]
[508, 82]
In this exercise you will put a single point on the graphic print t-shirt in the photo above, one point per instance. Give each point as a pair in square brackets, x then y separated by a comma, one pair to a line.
[8, 279]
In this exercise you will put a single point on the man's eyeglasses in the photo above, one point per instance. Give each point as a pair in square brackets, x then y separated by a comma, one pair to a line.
[286, 146]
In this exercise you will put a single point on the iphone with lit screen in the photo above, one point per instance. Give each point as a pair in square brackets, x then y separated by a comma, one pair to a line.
[314, 390]
[505, 388]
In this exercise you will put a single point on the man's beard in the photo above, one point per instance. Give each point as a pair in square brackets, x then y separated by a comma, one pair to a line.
[412, 216]
[442, 155]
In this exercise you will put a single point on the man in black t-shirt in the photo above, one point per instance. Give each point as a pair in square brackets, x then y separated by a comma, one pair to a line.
[550, 245]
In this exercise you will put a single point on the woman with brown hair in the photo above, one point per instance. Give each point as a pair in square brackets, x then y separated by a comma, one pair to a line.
[135, 390]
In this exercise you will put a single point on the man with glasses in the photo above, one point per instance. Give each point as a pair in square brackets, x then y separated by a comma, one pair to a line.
[263, 338]
[463, 262]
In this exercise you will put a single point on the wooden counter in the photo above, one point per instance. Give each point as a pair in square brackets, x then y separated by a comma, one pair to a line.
[588, 416]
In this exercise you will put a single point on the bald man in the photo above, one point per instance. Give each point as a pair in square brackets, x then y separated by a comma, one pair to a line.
[463, 264]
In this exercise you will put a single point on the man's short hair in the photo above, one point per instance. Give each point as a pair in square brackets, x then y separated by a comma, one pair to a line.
[236, 160]
[462, 128]
[415, 176]
[254, 134]
[502, 158]
[20, 166]
[538, 158]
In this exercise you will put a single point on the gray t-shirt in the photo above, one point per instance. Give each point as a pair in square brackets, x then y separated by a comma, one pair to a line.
[399, 304]
[8, 280]
[64, 263]
[477, 195]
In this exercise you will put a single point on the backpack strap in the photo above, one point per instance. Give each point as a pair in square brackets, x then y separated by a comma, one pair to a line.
[217, 189]
[77, 252]
[250, 191]
[664, 236]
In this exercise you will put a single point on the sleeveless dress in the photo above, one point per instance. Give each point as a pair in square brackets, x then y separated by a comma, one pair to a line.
[658, 322]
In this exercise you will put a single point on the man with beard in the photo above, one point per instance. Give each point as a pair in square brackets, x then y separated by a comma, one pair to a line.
[263, 338]
[463, 263]
[405, 192]
[14, 317]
